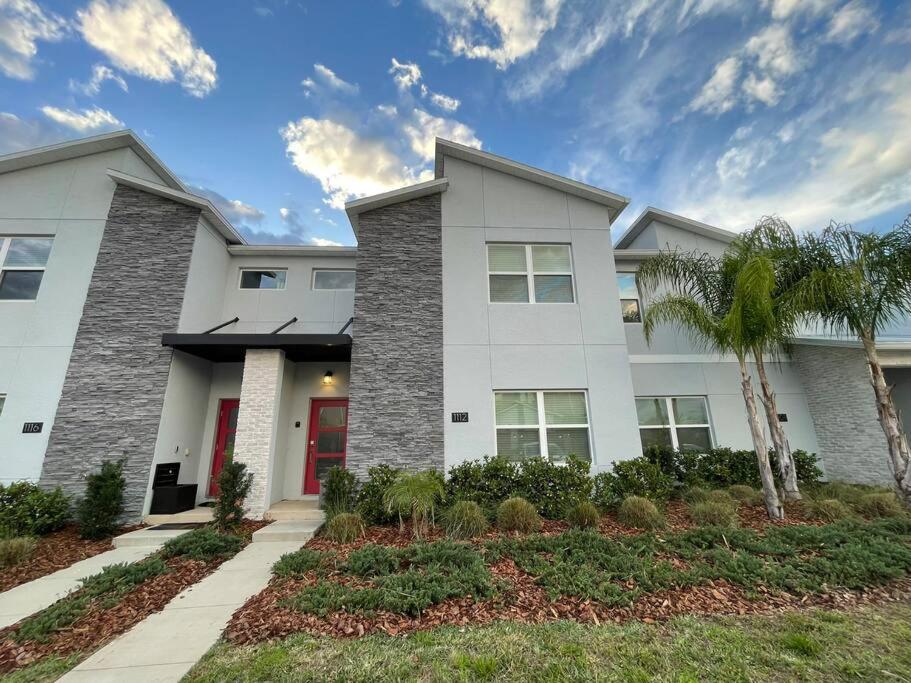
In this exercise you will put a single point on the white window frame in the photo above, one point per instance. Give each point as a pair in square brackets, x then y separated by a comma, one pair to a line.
[530, 272]
[622, 298]
[542, 425]
[261, 269]
[5, 242]
[2, 403]
[331, 270]
[669, 407]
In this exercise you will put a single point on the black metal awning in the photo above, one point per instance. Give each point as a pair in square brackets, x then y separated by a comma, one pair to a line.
[230, 348]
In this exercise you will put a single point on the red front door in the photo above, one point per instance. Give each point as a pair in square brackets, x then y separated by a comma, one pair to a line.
[326, 441]
[224, 440]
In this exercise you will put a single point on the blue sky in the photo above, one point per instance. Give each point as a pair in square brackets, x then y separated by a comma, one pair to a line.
[723, 110]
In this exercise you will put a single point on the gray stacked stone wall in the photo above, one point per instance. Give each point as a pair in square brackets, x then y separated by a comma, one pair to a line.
[115, 383]
[396, 387]
[851, 442]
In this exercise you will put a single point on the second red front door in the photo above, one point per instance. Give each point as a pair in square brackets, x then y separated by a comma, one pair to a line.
[327, 440]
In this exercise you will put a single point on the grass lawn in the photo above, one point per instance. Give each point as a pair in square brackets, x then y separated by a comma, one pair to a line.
[871, 643]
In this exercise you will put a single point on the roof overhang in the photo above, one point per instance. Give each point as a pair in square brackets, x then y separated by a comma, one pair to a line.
[884, 344]
[91, 145]
[232, 348]
[448, 148]
[651, 215]
[211, 214]
[290, 250]
[634, 254]
[378, 201]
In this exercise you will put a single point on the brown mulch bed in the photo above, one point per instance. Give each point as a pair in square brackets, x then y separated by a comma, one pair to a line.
[53, 552]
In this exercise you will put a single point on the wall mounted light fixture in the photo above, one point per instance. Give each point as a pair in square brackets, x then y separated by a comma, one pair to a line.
[327, 378]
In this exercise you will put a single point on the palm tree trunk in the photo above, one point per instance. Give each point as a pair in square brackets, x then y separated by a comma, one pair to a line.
[899, 454]
[769, 494]
[787, 470]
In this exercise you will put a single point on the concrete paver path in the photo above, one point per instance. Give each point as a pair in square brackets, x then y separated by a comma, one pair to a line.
[28, 598]
[166, 645]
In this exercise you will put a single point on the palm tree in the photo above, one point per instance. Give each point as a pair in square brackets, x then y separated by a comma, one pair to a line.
[859, 284]
[763, 253]
[707, 302]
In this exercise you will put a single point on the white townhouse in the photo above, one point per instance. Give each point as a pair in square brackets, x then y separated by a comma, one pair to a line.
[483, 312]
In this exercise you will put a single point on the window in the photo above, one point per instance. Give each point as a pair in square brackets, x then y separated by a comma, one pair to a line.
[551, 424]
[681, 423]
[629, 298]
[2, 402]
[263, 279]
[333, 279]
[22, 264]
[530, 273]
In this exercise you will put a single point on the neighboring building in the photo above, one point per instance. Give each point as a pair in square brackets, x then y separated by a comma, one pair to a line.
[490, 315]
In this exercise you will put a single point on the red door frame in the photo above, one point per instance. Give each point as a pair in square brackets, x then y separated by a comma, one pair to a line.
[222, 430]
[311, 483]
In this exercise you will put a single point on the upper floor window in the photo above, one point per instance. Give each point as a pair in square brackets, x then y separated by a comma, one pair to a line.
[629, 298]
[22, 264]
[550, 424]
[262, 279]
[333, 279]
[530, 273]
[681, 423]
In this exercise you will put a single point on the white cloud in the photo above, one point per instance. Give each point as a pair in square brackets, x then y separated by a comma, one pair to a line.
[236, 211]
[405, 74]
[718, 94]
[763, 89]
[100, 74]
[774, 51]
[17, 134]
[851, 21]
[145, 38]
[518, 25]
[22, 24]
[387, 109]
[782, 9]
[444, 102]
[84, 121]
[323, 242]
[424, 128]
[328, 77]
[346, 164]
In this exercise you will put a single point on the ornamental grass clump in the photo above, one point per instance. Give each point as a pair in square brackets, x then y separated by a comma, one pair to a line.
[345, 527]
[879, 505]
[722, 498]
[415, 496]
[517, 514]
[714, 513]
[465, 519]
[583, 515]
[745, 494]
[641, 513]
[827, 509]
[15, 550]
[695, 494]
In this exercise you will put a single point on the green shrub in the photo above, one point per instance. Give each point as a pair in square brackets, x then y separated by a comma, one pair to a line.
[879, 505]
[808, 472]
[233, 486]
[202, 544]
[15, 550]
[339, 489]
[517, 514]
[373, 560]
[28, 510]
[603, 491]
[487, 482]
[464, 519]
[714, 513]
[370, 496]
[827, 509]
[641, 513]
[745, 494]
[639, 477]
[415, 496]
[298, 563]
[100, 509]
[345, 527]
[551, 486]
[583, 515]
[695, 494]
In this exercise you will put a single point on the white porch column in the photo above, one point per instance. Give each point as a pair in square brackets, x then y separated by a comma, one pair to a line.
[257, 423]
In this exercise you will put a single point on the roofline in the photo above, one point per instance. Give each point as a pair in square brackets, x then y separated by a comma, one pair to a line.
[514, 168]
[212, 214]
[91, 145]
[881, 345]
[634, 254]
[289, 250]
[358, 206]
[651, 214]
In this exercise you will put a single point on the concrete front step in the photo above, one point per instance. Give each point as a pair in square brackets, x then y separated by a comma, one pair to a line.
[302, 514]
[146, 537]
[289, 530]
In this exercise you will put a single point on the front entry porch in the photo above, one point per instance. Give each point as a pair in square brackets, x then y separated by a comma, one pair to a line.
[305, 509]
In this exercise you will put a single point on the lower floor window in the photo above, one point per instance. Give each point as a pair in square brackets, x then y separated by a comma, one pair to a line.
[678, 422]
[549, 424]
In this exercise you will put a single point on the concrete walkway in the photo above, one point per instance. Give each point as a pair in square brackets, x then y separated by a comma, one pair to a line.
[166, 645]
[28, 598]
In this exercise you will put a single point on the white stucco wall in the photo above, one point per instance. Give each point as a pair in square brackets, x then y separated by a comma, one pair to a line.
[489, 347]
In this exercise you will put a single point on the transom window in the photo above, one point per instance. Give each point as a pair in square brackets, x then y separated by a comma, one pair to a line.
[530, 273]
[629, 298]
[550, 424]
[22, 264]
[333, 279]
[681, 423]
[251, 278]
